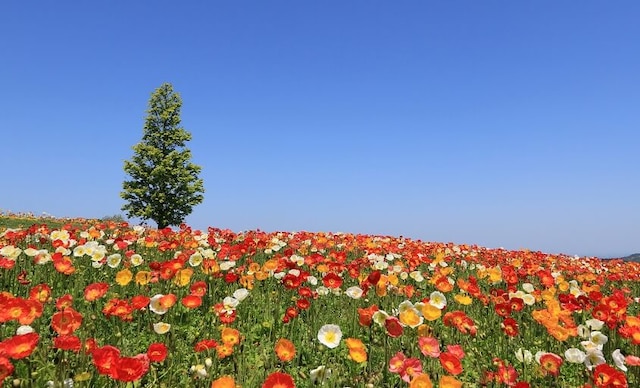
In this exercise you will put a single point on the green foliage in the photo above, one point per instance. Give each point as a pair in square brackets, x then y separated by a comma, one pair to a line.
[164, 184]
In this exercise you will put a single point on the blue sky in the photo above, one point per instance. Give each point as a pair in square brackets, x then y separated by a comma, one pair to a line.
[509, 124]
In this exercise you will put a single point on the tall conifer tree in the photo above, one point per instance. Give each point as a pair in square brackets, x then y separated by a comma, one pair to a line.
[164, 185]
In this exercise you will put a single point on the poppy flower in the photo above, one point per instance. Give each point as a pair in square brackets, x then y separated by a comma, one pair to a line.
[161, 327]
[396, 362]
[230, 336]
[410, 367]
[205, 344]
[431, 312]
[330, 335]
[357, 350]
[224, 382]
[332, 280]
[105, 360]
[191, 301]
[40, 292]
[393, 326]
[421, 381]
[95, 291]
[278, 380]
[450, 363]
[6, 368]
[551, 363]
[131, 368]
[124, 277]
[358, 355]
[510, 327]
[157, 352]
[456, 350]
[365, 316]
[411, 317]
[67, 342]
[64, 301]
[604, 375]
[285, 350]
[449, 382]
[63, 264]
[429, 346]
[198, 288]
[19, 346]
[139, 302]
[66, 321]
[224, 350]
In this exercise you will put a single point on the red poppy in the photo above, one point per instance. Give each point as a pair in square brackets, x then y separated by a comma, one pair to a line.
[67, 342]
[12, 308]
[63, 264]
[305, 292]
[332, 280]
[393, 326]
[95, 291]
[507, 375]
[551, 363]
[291, 312]
[601, 312]
[40, 292]
[365, 316]
[32, 310]
[7, 263]
[105, 359]
[303, 303]
[6, 368]
[503, 309]
[450, 363]
[139, 302]
[231, 277]
[278, 380]
[64, 301]
[604, 375]
[19, 346]
[374, 277]
[510, 327]
[66, 321]
[205, 344]
[517, 304]
[90, 345]
[157, 352]
[198, 288]
[291, 281]
[131, 368]
[227, 318]
[191, 301]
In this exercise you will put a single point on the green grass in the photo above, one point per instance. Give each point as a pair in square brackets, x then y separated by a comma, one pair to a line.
[24, 221]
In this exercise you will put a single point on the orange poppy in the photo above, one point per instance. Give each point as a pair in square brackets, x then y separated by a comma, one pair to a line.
[449, 382]
[285, 350]
[230, 336]
[224, 382]
[421, 381]
[191, 301]
[95, 291]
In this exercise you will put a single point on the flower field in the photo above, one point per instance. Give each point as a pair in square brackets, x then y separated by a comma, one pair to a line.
[105, 304]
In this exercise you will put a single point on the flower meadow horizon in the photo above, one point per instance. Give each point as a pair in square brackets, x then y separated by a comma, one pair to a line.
[95, 303]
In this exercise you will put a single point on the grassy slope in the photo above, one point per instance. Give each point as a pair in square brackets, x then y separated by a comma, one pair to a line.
[25, 221]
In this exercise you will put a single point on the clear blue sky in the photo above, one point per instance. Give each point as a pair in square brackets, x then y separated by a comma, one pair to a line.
[510, 124]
